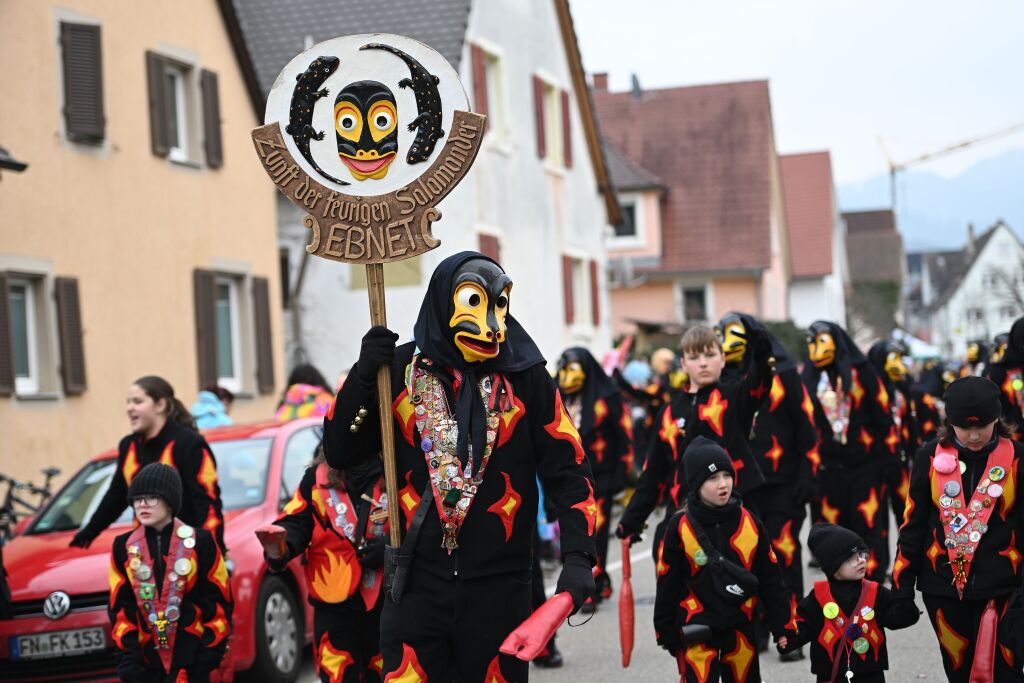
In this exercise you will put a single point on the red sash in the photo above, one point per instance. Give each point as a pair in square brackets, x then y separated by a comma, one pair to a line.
[965, 524]
[341, 515]
[161, 610]
[849, 632]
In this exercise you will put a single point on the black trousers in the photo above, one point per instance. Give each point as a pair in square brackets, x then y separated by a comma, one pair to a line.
[730, 657]
[784, 517]
[346, 641]
[449, 630]
[956, 626]
[855, 497]
[604, 498]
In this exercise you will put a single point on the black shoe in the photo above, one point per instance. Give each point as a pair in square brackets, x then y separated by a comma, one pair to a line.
[551, 660]
[793, 656]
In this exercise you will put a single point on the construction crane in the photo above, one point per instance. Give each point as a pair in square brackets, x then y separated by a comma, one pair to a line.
[894, 167]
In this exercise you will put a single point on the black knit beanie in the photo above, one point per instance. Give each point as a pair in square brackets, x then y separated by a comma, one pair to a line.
[972, 402]
[702, 458]
[832, 545]
[157, 479]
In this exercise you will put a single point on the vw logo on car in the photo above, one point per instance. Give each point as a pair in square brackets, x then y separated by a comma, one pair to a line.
[56, 605]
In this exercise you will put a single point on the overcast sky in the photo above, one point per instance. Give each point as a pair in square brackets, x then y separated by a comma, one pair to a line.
[922, 75]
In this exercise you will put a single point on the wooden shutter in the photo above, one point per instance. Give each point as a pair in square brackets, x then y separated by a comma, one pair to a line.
[211, 119]
[206, 325]
[538, 115]
[83, 82]
[566, 131]
[264, 341]
[490, 247]
[479, 80]
[158, 127]
[595, 294]
[570, 309]
[6, 343]
[69, 319]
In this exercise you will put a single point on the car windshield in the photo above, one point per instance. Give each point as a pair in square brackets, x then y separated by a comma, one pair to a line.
[241, 471]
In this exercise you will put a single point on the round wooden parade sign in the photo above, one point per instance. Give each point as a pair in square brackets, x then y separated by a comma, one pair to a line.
[367, 134]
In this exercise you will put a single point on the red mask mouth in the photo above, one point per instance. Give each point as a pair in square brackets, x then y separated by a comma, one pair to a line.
[484, 348]
[367, 166]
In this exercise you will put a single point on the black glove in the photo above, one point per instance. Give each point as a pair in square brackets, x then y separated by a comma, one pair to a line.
[577, 578]
[130, 666]
[902, 613]
[378, 348]
[670, 642]
[371, 553]
[83, 539]
[761, 344]
[623, 531]
[805, 490]
[791, 642]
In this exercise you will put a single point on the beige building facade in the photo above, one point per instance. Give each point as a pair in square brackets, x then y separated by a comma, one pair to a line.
[141, 238]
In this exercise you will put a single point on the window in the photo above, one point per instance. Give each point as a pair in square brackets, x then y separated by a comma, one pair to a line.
[174, 111]
[24, 336]
[628, 226]
[552, 123]
[84, 118]
[489, 90]
[228, 355]
[694, 304]
[975, 315]
[580, 291]
[177, 114]
[1008, 312]
[298, 453]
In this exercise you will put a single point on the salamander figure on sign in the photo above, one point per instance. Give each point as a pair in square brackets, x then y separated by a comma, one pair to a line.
[428, 104]
[304, 98]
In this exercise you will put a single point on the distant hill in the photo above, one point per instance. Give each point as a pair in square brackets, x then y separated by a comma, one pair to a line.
[934, 211]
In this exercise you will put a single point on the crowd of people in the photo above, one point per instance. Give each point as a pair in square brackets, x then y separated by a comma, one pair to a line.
[736, 438]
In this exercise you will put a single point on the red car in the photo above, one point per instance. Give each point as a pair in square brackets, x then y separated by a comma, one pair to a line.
[60, 629]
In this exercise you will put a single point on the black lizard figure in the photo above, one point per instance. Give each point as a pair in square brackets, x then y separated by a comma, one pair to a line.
[300, 114]
[428, 104]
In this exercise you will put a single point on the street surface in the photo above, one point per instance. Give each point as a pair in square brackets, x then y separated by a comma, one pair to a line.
[591, 651]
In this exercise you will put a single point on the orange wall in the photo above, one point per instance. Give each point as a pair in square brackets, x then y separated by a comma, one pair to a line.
[652, 301]
[733, 294]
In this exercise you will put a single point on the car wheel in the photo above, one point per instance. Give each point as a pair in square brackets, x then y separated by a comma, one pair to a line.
[278, 633]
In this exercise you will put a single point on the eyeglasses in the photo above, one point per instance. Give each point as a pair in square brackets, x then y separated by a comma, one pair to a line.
[145, 501]
[862, 555]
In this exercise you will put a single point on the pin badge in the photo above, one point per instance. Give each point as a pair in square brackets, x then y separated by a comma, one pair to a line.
[995, 490]
[182, 567]
[185, 531]
[830, 610]
[951, 488]
[861, 645]
[700, 558]
[996, 473]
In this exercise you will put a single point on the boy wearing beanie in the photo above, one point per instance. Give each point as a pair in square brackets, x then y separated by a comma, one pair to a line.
[961, 543]
[714, 565]
[170, 596]
[845, 616]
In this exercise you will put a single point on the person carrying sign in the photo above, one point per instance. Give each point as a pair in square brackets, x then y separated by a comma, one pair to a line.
[477, 418]
[962, 543]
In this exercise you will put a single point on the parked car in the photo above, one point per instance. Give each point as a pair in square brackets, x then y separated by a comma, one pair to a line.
[59, 628]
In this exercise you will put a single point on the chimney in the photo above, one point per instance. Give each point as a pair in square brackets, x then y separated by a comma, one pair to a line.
[638, 92]
[601, 81]
[969, 248]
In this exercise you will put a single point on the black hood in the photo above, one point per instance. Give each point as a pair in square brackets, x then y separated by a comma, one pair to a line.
[847, 355]
[597, 384]
[930, 380]
[783, 361]
[1014, 356]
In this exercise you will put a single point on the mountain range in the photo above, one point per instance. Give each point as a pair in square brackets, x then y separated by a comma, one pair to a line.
[934, 211]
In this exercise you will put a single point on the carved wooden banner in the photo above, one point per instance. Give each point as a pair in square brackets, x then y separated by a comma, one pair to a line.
[367, 134]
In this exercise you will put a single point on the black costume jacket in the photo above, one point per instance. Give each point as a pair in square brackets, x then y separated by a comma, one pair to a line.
[684, 597]
[922, 557]
[1008, 374]
[535, 438]
[206, 605]
[811, 629]
[186, 451]
[333, 573]
[722, 412]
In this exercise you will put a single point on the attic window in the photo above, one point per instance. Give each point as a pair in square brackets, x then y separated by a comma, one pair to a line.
[628, 226]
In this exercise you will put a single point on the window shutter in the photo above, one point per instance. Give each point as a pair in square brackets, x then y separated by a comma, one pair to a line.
[69, 319]
[538, 115]
[264, 345]
[595, 294]
[479, 80]
[566, 131]
[490, 247]
[83, 82]
[6, 344]
[211, 119]
[570, 312]
[158, 133]
[206, 325]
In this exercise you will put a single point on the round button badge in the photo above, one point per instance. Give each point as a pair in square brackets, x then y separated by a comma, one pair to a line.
[861, 645]
[951, 488]
[182, 567]
[866, 613]
[996, 473]
[830, 610]
[995, 490]
[700, 558]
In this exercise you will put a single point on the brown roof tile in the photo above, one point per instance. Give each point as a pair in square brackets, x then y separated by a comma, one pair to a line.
[712, 146]
[627, 175]
[810, 211]
[874, 248]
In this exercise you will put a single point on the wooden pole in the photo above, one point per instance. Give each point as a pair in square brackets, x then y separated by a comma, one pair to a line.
[379, 316]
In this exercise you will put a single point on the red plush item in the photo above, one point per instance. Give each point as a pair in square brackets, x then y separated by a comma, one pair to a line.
[626, 615]
[531, 637]
[982, 670]
[272, 538]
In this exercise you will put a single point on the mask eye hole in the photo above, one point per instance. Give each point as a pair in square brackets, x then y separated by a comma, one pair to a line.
[468, 297]
[347, 122]
[382, 120]
[501, 302]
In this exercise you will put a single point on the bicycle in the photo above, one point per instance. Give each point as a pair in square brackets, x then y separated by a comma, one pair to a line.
[15, 507]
